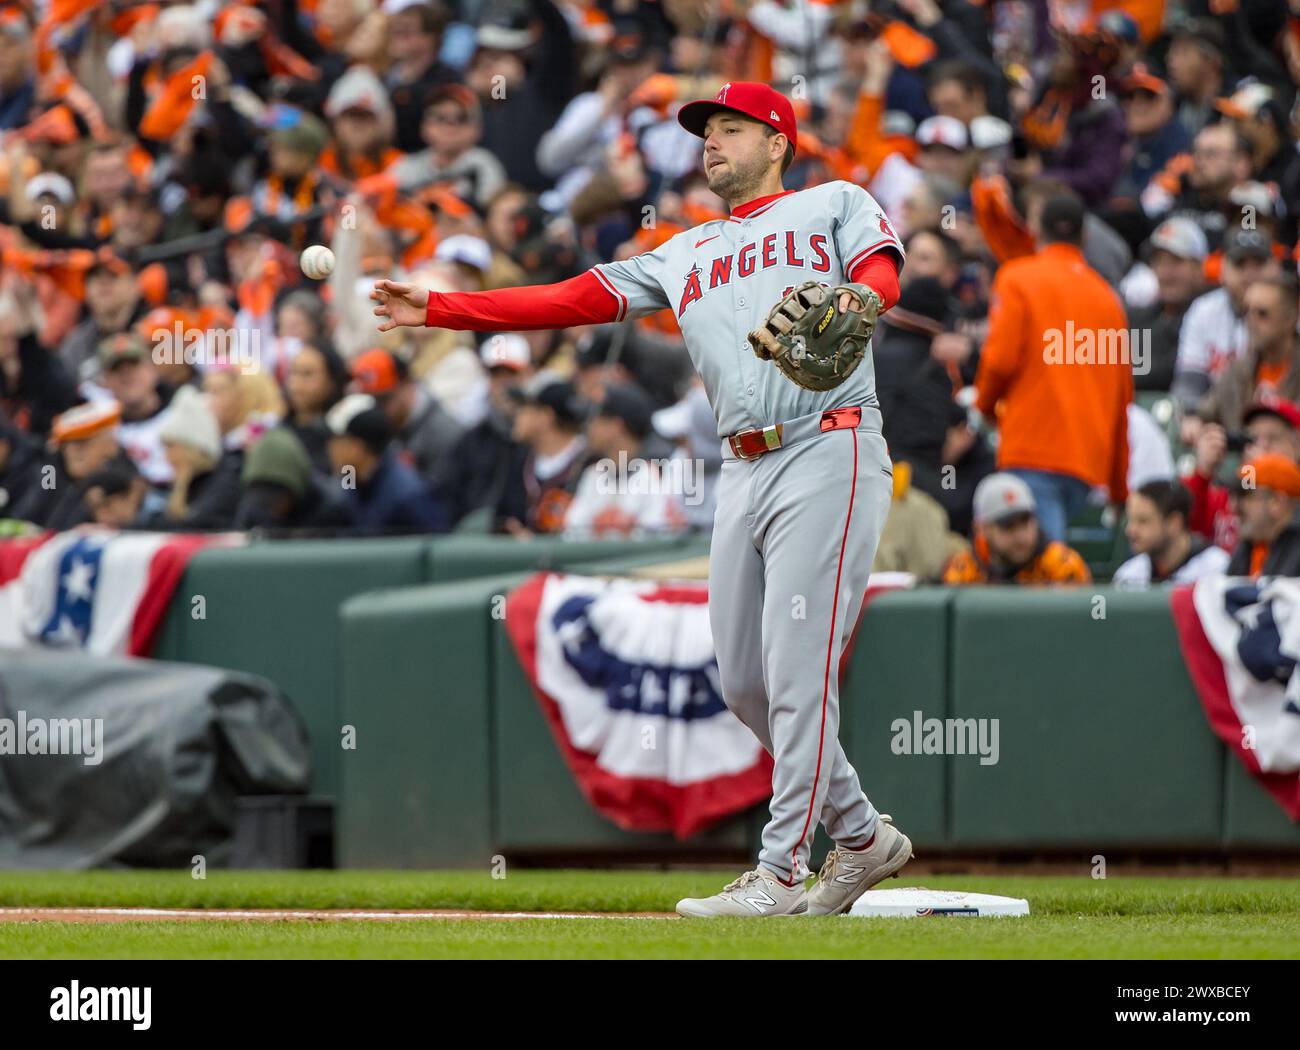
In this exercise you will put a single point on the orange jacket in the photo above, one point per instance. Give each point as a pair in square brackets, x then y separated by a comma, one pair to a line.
[1055, 563]
[1053, 361]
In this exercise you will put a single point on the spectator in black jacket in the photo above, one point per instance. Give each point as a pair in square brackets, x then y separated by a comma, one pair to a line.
[549, 422]
[381, 492]
[34, 385]
[20, 462]
[116, 495]
[425, 433]
[923, 425]
[414, 41]
[487, 463]
[84, 441]
[1267, 502]
[523, 72]
[1176, 254]
[114, 305]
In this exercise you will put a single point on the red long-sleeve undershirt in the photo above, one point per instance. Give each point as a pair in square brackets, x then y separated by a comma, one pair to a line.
[585, 300]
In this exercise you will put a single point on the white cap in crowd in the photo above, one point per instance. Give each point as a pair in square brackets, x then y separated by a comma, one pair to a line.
[942, 131]
[1002, 496]
[506, 350]
[1182, 237]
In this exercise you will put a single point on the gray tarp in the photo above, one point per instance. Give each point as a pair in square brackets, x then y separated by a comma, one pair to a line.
[180, 743]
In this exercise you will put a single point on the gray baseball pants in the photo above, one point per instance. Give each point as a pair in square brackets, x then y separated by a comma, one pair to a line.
[794, 536]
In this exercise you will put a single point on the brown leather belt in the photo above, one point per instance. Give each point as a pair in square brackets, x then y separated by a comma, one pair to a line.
[756, 441]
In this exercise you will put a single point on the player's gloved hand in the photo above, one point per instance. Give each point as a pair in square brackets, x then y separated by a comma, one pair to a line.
[815, 343]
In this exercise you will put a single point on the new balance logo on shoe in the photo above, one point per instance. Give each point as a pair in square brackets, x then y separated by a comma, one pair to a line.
[761, 902]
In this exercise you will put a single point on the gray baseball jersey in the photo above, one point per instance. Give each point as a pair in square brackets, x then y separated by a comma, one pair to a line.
[721, 278]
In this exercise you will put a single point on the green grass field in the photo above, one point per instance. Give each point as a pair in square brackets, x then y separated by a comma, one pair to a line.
[1161, 918]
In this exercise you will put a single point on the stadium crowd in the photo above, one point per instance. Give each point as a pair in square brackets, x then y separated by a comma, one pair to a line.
[1098, 315]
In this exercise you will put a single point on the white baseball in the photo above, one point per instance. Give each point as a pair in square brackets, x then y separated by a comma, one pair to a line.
[317, 262]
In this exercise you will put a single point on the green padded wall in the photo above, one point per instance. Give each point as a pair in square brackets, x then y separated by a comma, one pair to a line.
[900, 665]
[1103, 743]
[464, 557]
[1251, 819]
[415, 682]
[272, 609]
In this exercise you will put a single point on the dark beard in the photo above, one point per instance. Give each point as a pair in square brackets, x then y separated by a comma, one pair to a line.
[739, 183]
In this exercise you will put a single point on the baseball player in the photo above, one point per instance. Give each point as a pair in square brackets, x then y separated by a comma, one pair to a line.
[806, 479]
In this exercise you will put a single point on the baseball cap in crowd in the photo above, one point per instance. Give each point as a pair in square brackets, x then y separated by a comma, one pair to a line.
[106, 258]
[13, 22]
[627, 48]
[559, 395]
[989, 132]
[692, 419]
[630, 404]
[297, 131]
[51, 184]
[1140, 78]
[1245, 102]
[1239, 244]
[119, 348]
[457, 93]
[748, 98]
[898, 123]
[359, 89]
[1002, 496]
[1180, 236]
[467, 250]
[83, 421]
[597, 351]
[506, 350]
[506, 29]
[1270, 471]
[359, 416]
[1255, 195]
[1287, 411]
[377, 372]
[942, 131]
[1119, 24]
[1062, 218]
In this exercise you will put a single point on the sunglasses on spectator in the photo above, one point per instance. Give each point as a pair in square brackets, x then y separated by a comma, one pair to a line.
[444, 116]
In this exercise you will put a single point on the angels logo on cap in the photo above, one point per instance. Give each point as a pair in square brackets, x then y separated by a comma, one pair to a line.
[748, 98]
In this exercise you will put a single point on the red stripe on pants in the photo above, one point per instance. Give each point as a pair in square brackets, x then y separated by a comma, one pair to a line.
[826, 677]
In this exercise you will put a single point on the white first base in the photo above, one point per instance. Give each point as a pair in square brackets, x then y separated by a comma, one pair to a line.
[915, 902]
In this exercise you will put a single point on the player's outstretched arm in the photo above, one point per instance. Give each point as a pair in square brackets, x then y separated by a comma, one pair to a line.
[584, 299]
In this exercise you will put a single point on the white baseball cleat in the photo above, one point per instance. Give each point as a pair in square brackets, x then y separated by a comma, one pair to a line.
[848, 874]
[756, 894]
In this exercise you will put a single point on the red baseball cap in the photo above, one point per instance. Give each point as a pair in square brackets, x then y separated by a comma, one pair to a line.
[762, 103]
[376, 372]
[1285, 410]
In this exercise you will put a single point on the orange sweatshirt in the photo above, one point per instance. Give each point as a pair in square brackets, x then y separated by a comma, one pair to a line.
[1052, 370]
